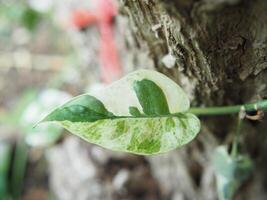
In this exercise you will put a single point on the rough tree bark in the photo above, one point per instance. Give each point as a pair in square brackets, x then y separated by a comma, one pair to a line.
[217, 50]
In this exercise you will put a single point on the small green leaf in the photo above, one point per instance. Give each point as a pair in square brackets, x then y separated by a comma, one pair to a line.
[142, 113]
[230, 172]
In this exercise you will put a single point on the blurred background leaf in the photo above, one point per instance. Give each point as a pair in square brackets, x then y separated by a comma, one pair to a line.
[230, 171]
[5, 159]
[30, 18]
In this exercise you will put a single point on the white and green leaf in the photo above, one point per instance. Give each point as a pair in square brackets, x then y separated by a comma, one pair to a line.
[143, 113]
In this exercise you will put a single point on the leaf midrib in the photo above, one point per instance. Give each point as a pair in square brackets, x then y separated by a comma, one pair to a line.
[179, 115]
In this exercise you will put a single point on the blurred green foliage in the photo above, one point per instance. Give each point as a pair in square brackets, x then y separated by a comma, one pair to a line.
[30, 18]
[20, 14]
[5, 158]
[13, 117]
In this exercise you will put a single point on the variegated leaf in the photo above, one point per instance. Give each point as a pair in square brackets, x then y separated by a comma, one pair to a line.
[143, 113]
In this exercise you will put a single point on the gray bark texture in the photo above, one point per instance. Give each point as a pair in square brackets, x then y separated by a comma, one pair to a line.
[220, 53]
[217, 51]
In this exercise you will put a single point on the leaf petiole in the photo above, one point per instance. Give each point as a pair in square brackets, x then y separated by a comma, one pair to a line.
[225, 110]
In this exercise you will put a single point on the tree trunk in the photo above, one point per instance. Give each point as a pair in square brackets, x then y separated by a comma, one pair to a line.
[216, 49]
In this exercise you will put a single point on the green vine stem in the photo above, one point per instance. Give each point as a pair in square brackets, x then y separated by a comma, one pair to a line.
[224, 110]
[234, 151]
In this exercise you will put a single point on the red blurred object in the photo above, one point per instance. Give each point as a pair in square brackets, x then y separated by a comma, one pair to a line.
[103, 16]
[82, 18]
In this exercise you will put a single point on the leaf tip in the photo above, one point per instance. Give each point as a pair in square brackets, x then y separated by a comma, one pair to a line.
[43, 120]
